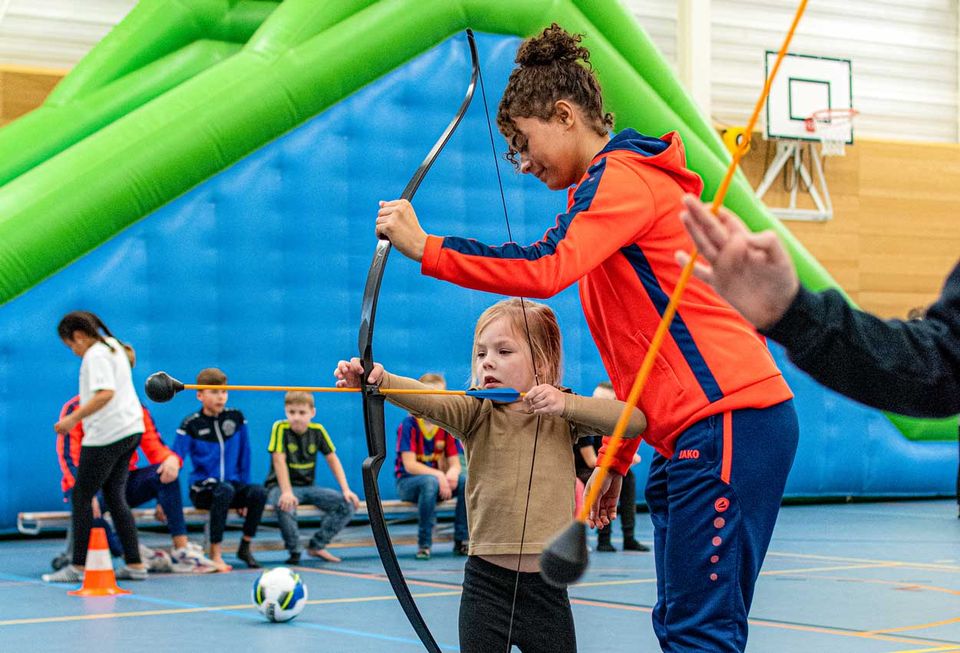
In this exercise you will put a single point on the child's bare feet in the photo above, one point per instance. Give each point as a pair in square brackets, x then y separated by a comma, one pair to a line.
[323, 554]
[220, 564]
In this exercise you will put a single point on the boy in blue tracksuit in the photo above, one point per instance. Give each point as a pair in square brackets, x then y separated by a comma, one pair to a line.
[215, 439]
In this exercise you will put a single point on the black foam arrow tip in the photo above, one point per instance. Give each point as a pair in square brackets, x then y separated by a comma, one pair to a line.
[565, 557]
[161, 387]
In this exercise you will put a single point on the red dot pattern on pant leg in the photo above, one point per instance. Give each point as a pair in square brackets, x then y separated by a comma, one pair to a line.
[714, 559]
[719, 522]
[717, 541]
[721, 504]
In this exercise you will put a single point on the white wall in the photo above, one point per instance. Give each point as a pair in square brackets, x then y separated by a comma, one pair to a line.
[659, 19]
[905, 73]
[904, 59]
[904, 53]
[55, 33]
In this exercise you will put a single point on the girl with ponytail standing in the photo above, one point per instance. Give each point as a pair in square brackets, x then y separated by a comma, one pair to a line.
[113, 423]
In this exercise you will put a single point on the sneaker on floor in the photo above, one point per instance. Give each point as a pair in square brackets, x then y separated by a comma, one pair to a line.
[461, 548]
[60, 562]
[633, 545]
[190, 560]
[605, 547]
[423, 553]
[293, 558]
[68, 574]
[131, 573]
[244, 554]
[156, 560]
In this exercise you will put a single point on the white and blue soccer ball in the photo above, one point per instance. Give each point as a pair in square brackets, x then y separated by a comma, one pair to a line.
[279, 594]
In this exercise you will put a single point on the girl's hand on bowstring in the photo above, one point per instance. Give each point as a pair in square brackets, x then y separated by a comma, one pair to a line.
[350, 372]
[545, 399]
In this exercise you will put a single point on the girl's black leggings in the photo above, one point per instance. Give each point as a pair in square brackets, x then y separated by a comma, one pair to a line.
[105, 468]
[542, 619]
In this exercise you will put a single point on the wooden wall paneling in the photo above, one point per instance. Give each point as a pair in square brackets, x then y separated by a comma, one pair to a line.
[895, 234]
[22, 90]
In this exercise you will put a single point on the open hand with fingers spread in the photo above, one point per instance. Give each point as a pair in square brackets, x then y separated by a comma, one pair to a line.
[751, 271]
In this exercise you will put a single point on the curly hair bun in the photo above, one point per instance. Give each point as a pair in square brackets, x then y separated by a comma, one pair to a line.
[553, 45]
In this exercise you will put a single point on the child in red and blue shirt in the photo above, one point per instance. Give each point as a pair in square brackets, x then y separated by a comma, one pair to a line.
[423, 477]
[159, 480]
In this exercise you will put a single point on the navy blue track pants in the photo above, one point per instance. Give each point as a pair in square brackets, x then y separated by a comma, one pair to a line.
[714, 505]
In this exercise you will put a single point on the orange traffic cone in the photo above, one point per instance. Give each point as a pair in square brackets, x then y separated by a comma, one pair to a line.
[98, 578]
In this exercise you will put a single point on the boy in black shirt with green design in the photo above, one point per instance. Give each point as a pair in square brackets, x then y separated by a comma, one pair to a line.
[294, 444]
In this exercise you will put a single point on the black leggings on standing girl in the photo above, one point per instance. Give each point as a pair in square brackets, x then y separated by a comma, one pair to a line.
[542, 619]
[105, 467]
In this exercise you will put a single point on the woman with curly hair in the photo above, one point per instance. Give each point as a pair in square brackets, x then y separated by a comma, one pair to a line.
[721, 416]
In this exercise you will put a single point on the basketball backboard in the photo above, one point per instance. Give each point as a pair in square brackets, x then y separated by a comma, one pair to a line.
[806, 84]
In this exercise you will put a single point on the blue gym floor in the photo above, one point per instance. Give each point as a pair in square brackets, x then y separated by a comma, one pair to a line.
[879, 577]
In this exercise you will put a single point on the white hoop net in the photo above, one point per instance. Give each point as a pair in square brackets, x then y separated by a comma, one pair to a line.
[833, 130]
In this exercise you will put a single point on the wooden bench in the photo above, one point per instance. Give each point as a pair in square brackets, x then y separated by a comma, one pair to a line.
[33, 523]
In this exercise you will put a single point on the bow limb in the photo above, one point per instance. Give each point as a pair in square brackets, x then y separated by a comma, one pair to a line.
[373, 400]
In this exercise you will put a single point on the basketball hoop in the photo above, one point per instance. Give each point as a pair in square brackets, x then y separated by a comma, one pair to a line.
[833, 128]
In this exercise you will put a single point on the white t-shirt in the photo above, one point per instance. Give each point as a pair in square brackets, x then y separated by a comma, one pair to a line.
[102, 369]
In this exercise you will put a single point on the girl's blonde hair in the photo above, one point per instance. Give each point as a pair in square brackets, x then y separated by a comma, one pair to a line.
[544, 340]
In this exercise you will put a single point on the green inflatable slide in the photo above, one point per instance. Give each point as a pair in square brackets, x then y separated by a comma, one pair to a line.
[178, 92]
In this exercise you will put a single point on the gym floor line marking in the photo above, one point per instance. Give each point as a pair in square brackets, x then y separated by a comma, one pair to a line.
[633, 607]
[212, 608]
[825, 630]
[454, 589]
[891, 563]
[932, 624]
[603, 583]
[843, 632]
[777, 554]
[943, 649]
[807, 570]
[904, 585]
[374, 576]
[610, 583]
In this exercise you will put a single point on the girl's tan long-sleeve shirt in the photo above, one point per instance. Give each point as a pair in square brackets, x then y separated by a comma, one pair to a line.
[499, 444]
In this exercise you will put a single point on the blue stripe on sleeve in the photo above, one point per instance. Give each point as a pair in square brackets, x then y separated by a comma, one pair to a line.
[582, 199]
[678, 328]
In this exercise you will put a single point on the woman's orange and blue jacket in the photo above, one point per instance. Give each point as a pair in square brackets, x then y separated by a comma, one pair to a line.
[618, 239]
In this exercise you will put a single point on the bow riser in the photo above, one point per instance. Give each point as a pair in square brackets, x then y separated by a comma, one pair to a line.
[368, 311]
[373, 401]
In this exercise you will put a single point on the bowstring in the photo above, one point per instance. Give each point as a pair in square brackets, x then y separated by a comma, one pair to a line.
[533, 361]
